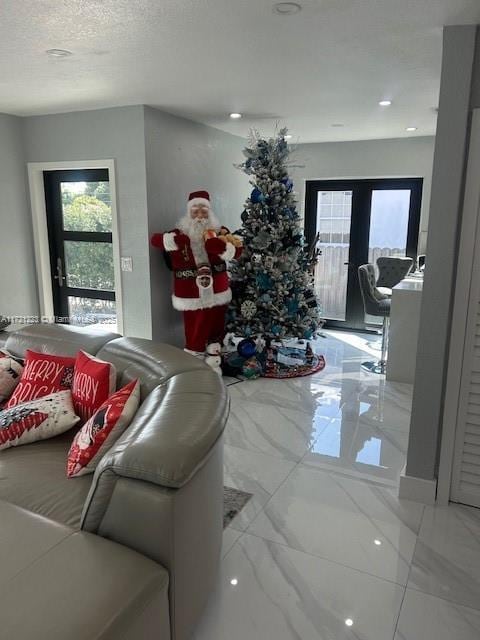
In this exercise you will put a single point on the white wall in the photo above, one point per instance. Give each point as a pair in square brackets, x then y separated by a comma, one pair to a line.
[108, 133]
[403, 157]
[18, 289]
[184, 156]
[459, 93]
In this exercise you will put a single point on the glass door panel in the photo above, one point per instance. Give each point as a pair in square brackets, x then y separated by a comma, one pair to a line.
[334, 211]
[89, 265]
[389, 216]
[86, 206]
[88, 311]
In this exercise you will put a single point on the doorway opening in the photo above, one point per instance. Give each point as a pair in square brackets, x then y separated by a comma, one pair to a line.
[358, 221]
[80, 239]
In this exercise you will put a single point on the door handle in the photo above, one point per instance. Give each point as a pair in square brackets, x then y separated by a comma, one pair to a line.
[60, 277]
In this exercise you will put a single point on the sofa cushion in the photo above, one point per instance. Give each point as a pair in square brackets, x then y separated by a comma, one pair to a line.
[153, 363]
[59, 584]
[63, 340]
[33, 477]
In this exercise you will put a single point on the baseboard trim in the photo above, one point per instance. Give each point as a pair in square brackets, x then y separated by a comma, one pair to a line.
[417, 489]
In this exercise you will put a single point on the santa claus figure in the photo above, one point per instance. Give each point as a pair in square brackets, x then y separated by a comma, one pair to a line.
[198, 251]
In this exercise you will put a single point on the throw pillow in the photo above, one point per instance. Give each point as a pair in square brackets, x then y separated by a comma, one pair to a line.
[10, 372]
[93, 382]
[39, 419]
[102, 430]
[43, 374]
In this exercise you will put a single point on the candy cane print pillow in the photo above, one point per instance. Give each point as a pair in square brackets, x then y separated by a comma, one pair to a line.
[38, 419]
[93, 382]
[42, 375]
[102, 430]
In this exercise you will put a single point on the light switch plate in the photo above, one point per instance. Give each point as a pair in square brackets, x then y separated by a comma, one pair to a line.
[126, 263]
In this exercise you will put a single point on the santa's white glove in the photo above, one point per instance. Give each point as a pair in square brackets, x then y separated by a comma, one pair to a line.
[169, 241]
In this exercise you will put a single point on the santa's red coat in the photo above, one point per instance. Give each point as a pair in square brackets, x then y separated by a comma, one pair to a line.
[186, 295]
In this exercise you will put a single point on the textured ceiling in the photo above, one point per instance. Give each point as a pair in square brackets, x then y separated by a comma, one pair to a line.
[331, 63]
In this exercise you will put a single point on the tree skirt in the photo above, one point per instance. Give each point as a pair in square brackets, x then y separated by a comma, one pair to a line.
[291, 362]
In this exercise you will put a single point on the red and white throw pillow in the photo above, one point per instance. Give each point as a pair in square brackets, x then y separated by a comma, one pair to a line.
[42, 375]
[101, 431]
[93, 382]
[10, 374]
[39, 419]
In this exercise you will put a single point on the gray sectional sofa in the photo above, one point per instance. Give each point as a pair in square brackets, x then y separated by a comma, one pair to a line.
[130, 553]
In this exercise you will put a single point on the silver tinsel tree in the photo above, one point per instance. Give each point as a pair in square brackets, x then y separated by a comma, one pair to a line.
[272, 282]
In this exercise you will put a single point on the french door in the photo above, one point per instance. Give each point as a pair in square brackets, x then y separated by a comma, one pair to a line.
[79, 219]
[358, 221]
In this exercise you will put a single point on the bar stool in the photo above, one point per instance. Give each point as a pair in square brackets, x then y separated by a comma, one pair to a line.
[375, 303]
[391, 271]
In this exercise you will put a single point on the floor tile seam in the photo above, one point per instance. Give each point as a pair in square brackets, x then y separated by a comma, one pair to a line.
[262, 453]
[272, 496]
[404, 594]
[233, 545]
[333, 472]
[444, 599]
[274, 405]
[324, 559]
[248, 450]
[377, 521]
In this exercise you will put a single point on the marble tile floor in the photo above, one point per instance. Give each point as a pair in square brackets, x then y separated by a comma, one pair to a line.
[325, 550]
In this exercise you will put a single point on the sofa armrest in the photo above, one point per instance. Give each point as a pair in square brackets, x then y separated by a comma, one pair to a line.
[159, 490]
[172, 432]
[169, 439]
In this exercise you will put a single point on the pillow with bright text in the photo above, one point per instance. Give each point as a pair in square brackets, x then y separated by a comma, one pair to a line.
[93, 382]
[102, 430]
[43, 374]
[38, 419]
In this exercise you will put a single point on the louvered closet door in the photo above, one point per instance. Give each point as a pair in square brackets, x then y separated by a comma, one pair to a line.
[466, 465]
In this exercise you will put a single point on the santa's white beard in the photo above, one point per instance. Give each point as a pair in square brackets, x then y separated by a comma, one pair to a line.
[195, 228]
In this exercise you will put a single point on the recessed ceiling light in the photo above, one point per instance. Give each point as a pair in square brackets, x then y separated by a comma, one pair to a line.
[385, 103]
[58, 53]
[337, 124]
[287, 8]
[349, 622]
[234, 582]
[411, 128]
[235, 116]
[377, 542]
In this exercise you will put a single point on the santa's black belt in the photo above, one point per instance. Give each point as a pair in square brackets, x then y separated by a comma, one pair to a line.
[188, 274]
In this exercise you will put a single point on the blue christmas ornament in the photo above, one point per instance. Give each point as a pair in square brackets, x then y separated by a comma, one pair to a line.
[264, 281]
[257, 196]
[292, 306]
[247, 347]
[276, 329]
[307, 334]
[265, 298]
[288, 183]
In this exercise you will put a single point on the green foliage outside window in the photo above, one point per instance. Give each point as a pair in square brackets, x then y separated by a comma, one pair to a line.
[88, 264]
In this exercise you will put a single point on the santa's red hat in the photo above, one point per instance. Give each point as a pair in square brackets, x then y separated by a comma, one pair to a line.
[198, 197]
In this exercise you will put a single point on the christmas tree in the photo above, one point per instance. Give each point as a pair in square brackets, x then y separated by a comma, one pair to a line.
[272, 281]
